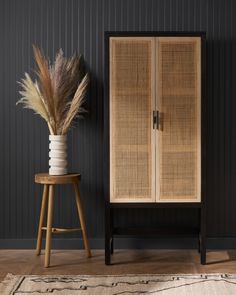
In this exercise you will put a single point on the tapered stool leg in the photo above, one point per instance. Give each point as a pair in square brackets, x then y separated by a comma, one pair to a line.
[49, 226]
[81, 218]
[41, 219]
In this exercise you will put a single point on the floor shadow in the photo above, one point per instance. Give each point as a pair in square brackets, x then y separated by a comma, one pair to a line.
[231, 258]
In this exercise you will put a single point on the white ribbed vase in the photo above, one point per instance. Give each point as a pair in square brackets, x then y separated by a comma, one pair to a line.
[57, 155]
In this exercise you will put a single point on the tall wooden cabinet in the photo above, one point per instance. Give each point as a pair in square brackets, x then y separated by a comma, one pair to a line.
[153, 124]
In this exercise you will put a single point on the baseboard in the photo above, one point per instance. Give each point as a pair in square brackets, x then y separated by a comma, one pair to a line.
[124, 243]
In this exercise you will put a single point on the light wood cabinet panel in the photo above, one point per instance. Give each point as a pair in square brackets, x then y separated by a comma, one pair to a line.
[155, 78]
[179, 103]
[132, 139]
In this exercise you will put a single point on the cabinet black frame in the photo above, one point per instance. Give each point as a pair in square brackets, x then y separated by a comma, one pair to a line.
[110, 208]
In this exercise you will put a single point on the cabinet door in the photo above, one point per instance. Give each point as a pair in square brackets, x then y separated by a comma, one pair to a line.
[179, 104]
[132, 138]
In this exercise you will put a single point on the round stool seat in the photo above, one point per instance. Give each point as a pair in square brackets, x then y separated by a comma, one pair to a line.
[45, 178]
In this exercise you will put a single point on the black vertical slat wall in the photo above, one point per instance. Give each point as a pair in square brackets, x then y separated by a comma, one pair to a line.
[79, 25]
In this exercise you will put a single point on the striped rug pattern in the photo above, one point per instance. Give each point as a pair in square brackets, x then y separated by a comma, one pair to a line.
[200, 284]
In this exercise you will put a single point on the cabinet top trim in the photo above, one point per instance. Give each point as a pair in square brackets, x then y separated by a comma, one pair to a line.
[154, 34]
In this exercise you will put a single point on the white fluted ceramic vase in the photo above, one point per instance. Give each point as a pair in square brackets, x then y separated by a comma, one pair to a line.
[57, 155]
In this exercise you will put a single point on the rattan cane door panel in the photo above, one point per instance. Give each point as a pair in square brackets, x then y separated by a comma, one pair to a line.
[179, 102]
[132, 138]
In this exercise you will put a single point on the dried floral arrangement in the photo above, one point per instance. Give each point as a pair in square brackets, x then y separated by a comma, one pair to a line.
[59, 93]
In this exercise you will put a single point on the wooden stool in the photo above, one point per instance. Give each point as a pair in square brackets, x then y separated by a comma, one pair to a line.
[48, 193]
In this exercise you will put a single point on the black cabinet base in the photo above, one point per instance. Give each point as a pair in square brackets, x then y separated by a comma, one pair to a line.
[112, 232]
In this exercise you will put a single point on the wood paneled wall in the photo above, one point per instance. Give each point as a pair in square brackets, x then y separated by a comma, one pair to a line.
[79, 25]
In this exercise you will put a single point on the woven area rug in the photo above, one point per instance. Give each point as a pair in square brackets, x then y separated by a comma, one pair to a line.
[129, 284]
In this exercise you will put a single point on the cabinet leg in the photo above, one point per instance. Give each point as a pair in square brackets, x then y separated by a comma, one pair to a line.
[107, 253]
[199, 244]
[49, 226]
[107, 235]
[112, 245]
[111, 230]
[41, 219]
[203, 235]
[203, 250]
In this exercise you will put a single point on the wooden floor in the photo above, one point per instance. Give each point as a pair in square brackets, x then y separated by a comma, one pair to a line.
[125, 261]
